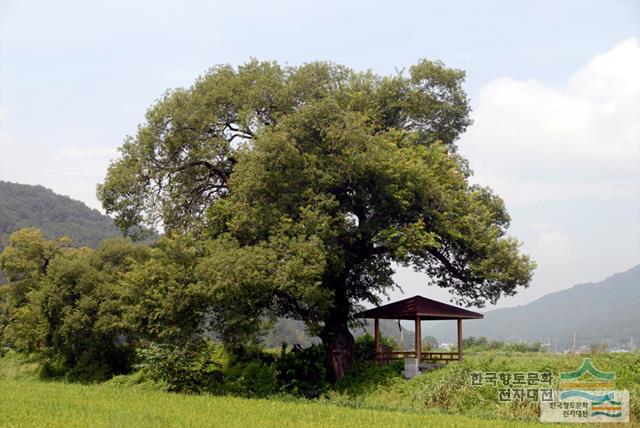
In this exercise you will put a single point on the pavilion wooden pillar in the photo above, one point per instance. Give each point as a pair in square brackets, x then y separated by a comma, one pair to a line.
[459, 339]
[418, 340]
[376, 340]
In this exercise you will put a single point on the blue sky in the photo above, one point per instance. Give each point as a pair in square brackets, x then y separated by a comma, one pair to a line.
[555, 87]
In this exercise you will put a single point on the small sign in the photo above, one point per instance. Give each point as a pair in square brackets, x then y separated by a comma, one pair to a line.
[584, 406]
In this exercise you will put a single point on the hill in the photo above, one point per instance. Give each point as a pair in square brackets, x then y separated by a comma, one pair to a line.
[606, 311]
[23, 205]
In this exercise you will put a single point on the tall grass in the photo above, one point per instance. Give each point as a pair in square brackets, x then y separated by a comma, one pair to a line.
[373, 396]
[449, 389]
[27, 403]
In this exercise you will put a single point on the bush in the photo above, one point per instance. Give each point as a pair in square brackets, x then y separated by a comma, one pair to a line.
[523, 347]
[53, 368]
[367, 376]
[257, 379]
[481, 344]
[192, 368]
[448, 389]
[301, 371]
[365, 347]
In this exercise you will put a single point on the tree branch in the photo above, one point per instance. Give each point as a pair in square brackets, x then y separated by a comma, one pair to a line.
[455, 272]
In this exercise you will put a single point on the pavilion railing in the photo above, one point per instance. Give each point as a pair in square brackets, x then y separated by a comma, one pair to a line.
[387, 356]
[440, 356]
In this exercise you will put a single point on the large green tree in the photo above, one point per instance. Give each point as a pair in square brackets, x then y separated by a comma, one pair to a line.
[26, 261]
[71, 305]
[308, 183]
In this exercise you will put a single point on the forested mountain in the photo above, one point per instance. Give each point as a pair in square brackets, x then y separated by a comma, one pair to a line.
[23, 205]
[606, 311]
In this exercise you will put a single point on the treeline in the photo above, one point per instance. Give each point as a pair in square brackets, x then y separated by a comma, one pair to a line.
[479, 344]
[90, 314]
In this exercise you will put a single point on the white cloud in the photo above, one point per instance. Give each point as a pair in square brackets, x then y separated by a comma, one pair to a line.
[531, 141]
[553, 242]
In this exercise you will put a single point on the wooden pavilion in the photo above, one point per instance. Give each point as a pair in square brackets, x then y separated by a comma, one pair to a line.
[418, 309]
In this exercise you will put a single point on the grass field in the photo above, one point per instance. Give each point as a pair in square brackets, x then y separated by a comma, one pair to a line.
[378, 399]
[449, 389]
[25, 403]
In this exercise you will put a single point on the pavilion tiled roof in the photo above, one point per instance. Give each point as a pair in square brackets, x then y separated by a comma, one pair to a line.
[427, 309]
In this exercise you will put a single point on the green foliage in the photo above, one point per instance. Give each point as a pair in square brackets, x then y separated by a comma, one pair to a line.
[305, 184]
[65, 303]
[471, 344]
[449, 389]
[163, 299]
[365, 346]
[255, 379]
[301, 371]
[16, 366]
[207, 368]
[480, 344]
[288, 331]
[82, 307]
[370, 387]
[367, 376]
[285, 270]
[26, 262]
[195, 368]
[429, 343]
[39, 404]
[524, 347]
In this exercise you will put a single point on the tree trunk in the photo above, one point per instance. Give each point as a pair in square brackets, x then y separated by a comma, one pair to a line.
[339, 347]
[337, 339]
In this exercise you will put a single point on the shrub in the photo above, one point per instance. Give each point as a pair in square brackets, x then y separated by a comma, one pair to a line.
[257, 379]
[481, 344]
[367, 376]
[365, 347]
[523, 347]
[448, 389]
[53, 368]
[301, 371]
[192, 368]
